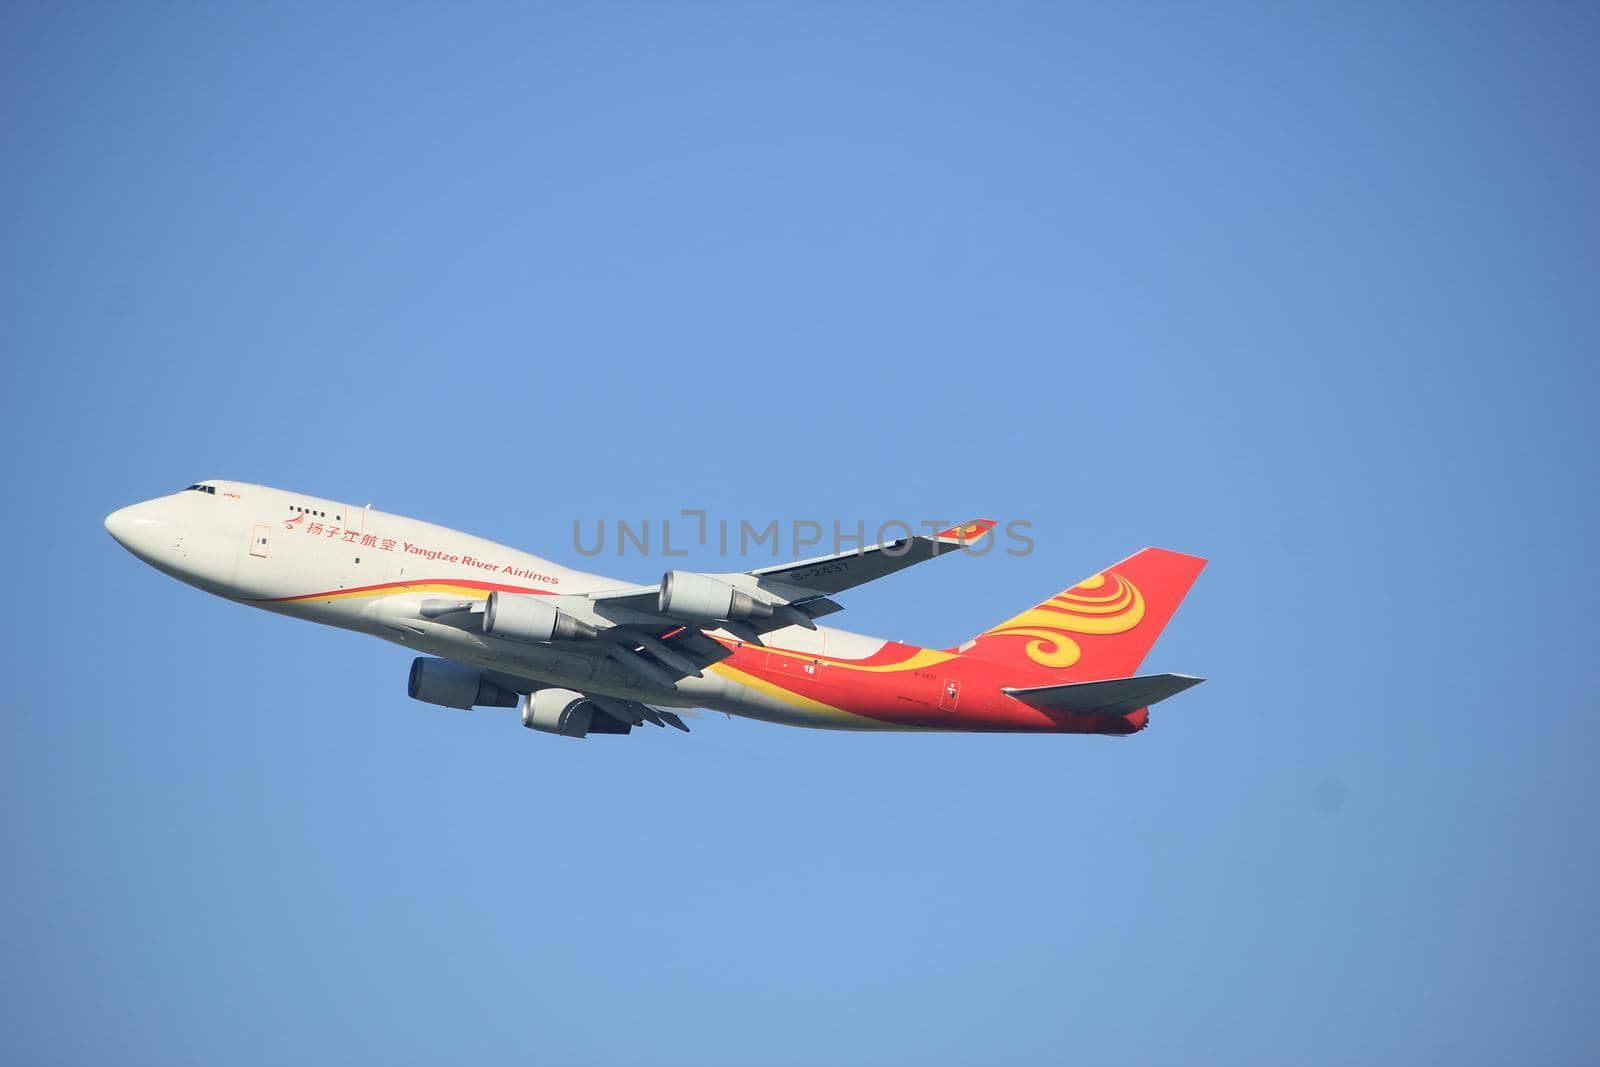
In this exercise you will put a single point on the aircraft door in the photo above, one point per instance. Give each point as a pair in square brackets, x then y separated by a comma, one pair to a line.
[949, 695]
[258, 539]
[794, 664]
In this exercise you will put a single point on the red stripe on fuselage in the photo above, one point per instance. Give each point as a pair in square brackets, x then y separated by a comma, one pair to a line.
[913, 697]
[465, 583]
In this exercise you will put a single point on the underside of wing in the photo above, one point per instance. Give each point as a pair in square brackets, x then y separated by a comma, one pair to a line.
[615, 714]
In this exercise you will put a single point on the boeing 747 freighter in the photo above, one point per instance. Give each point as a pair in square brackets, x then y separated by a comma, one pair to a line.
[580, 654]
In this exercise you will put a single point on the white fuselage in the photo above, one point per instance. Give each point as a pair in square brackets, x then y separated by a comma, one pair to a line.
[361, 569]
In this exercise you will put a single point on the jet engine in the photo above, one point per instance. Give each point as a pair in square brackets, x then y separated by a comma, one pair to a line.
[455, 685]
[530, 618]
[558, 711]
[687, 595]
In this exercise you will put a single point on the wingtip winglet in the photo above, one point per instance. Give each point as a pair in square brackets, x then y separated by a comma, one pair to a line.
[965, 533]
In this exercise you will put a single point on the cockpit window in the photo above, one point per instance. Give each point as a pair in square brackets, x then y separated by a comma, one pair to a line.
[201, 488]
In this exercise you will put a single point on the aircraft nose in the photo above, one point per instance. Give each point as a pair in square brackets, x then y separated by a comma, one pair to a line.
[139, 530]
[119, 524]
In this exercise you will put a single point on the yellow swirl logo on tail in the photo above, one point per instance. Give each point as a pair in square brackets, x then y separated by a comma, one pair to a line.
[1093, 606]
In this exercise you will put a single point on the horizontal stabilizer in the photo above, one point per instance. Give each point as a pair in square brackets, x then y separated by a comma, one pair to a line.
[1112, 696]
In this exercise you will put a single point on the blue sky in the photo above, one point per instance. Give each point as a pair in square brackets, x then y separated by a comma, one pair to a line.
[1308, 291]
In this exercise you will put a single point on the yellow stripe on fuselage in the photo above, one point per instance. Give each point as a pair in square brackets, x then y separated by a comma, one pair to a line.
[463, 591]
[923, 657]
[795, 700]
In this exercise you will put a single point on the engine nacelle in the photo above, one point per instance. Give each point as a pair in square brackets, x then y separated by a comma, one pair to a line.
[558, 711]
[687, 595]
[455, 685]
[530, 618]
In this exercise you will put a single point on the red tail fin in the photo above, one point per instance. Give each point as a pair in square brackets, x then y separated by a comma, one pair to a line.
[1100, 628]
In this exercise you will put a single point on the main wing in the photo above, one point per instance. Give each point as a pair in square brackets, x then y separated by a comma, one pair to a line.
[797, 592]
[826, 575]
[659, 633]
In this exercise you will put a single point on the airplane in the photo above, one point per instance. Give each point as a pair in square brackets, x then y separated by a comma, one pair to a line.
[581, 654]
